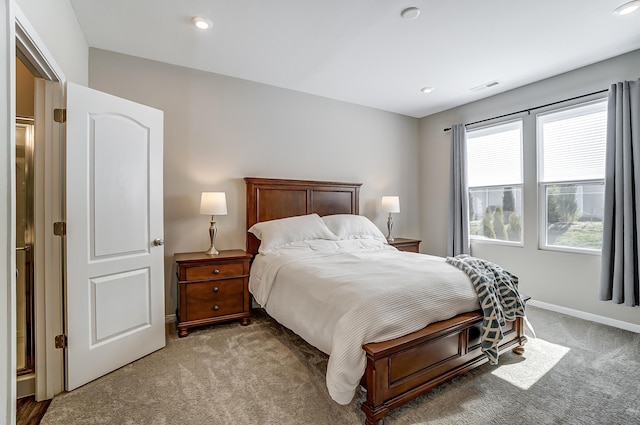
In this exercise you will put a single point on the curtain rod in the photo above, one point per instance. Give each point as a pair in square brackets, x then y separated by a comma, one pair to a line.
[528, 110]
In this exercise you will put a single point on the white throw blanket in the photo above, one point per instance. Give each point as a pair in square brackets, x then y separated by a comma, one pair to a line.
[340, 295]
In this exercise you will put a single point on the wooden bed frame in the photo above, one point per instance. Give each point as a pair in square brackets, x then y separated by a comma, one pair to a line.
[401, 369]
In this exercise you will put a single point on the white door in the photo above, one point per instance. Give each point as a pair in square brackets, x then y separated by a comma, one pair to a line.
[115, 283]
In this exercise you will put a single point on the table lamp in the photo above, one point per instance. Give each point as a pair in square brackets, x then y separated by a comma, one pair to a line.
[213, 203]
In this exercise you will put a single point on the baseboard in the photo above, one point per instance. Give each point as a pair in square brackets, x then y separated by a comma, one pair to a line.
[170, 318]
[586, 316]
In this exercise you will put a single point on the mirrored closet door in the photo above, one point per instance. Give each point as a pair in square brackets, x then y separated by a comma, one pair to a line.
[25, 355]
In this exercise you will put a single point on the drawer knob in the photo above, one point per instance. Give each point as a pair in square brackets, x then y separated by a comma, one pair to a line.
[216, 289]
[216, 271]
[216, 308]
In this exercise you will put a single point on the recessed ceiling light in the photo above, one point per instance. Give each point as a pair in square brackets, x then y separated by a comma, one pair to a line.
[202, 23]
[410, 13]
[627, 8]
[426, 89]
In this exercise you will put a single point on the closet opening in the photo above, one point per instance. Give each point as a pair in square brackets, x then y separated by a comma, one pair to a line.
[24, 222]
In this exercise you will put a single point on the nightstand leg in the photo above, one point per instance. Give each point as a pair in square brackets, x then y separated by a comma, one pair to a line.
[245, 321]
[182, 332]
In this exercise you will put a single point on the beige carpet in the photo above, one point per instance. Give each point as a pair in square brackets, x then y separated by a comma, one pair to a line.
[576, 372]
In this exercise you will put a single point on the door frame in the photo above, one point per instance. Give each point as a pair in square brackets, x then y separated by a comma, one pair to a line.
[19, 32]
[7, 215]
[49, 205]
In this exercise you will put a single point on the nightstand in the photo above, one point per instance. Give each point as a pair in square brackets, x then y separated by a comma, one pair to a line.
[403, 244]
[212, 288]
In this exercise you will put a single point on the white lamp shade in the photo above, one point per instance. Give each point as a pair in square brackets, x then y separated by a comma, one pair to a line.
[391, 204]
[213, 203]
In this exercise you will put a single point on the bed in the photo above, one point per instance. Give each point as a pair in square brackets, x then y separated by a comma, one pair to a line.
[399, 369]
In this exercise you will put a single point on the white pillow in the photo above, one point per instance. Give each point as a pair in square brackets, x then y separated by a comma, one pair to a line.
[283, 231]
[351, 226]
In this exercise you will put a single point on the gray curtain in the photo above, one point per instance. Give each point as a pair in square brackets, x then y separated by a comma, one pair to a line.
[621, 245]
[458, 197]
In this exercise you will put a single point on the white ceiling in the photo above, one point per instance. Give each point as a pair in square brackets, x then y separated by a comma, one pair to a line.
[362, 51]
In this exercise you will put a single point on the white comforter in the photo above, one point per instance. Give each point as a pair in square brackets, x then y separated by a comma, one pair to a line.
[339, 295]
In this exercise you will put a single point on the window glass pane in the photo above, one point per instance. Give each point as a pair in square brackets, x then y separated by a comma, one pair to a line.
[573, 143]
[495, 213]
[494, 155]
[574, 215]
[571, 153]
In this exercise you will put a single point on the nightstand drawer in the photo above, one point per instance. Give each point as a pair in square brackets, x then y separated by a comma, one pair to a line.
[212, 291]
[408, 248]
[404, 244]
[217, 271]
[212, 299]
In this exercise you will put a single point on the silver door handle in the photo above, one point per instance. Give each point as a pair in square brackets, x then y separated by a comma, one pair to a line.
[158, 242]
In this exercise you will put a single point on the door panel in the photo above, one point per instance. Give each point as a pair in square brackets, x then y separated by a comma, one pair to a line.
[115, 277]
[121, 177]
[106, 291]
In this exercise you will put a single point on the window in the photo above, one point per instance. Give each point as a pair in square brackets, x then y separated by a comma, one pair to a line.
[494, 171]
[571, 162]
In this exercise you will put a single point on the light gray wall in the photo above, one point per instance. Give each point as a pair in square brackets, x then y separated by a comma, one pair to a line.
[563, 279]
[220, 129]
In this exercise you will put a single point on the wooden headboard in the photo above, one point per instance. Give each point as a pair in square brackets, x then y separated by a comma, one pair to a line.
[270, 199]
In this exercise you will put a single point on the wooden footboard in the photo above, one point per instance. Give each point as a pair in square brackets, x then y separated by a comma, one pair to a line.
[404, 368]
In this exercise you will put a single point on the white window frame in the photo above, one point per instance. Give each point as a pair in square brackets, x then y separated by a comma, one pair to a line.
[476, 239]
[542, 185]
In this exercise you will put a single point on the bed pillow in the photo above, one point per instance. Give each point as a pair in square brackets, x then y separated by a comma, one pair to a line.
[283, 231]
[351, 226]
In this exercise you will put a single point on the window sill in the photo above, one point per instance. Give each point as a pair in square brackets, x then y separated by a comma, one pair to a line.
[480, 241]
[569, 250]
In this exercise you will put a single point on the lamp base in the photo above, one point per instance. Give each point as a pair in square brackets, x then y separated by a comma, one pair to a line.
[212, 251]
[389, 228]
[213, 230]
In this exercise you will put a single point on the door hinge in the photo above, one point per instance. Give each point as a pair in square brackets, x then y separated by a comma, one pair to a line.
[60, 115]
[59, 228]
[61, 341]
